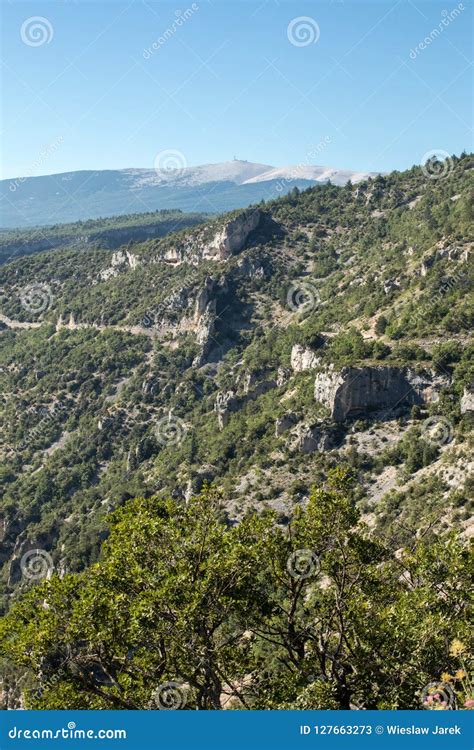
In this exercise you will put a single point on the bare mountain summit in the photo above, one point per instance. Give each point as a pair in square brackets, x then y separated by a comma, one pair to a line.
[209, 188]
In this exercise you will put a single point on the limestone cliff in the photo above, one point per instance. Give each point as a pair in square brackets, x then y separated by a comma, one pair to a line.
[359, 391]
[231, 239]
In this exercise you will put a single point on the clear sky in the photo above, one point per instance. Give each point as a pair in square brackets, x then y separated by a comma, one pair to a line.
[80, 91]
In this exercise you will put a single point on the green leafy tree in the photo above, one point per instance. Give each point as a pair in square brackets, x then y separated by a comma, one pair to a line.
[184, 607]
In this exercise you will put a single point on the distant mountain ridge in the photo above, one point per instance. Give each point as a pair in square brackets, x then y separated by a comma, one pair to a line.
[209, 188]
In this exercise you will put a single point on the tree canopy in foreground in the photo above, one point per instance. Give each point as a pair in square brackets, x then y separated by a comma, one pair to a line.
[187, 611]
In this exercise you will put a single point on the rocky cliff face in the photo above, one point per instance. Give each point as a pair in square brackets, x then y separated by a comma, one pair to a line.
[121, 261]
[312, 438]
[226, 404]
[231, 239]
[284, 423]
[205, 313]
[228, 240]
[303, 358]
[358, 391]
[347, 393]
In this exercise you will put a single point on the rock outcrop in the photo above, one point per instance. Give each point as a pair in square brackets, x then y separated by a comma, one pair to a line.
[348, 393]
[219, 242]
[120, 261]
[283, 375]
[390, 285]
[231, 239]
[205, 333]
[285, 423]
[175, 254]
[427, 384]
[249, 379]
[312, 438]
[253, 267]
[203, 297]
[205, 314]
[467, 401]
[360, 391]
[303, 358]
[226, 404]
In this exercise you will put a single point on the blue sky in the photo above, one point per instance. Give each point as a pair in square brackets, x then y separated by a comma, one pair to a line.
[228, 81]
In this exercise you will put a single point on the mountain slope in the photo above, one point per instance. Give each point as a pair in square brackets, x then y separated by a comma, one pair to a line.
[210, 188]
[229, 351]
[320, 340]
[310, 173]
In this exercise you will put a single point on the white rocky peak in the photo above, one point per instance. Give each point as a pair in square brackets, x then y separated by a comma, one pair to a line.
[311, 172]
[236, 171]
[239, 172]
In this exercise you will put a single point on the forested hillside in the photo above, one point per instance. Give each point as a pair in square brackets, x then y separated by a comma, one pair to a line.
[237, 459]
[101, 233]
